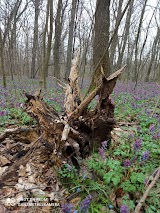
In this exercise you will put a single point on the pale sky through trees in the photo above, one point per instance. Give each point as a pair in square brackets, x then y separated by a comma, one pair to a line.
[83, 27]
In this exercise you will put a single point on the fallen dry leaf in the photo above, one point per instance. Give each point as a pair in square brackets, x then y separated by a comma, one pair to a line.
[3, 160]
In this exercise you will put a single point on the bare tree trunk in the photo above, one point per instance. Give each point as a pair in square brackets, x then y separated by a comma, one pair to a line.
[70, 39]
[137, 42]
[126, 33]
[27, 56]
[84, 54]
[48, 51]
[115, 39]
[58, 32]
[35, 38]
[2, 59]
[44, 51]
[101, 38]
[101, 62]
[153, 54]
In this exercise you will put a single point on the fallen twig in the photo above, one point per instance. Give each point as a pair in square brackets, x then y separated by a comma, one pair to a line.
[156, 105]
[142, 200]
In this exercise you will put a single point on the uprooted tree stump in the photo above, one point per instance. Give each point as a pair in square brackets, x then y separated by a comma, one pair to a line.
[68, 137]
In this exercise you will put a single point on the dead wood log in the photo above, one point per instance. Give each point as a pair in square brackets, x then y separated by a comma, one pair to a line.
[73, 95]
[67, 138]
[104, 89]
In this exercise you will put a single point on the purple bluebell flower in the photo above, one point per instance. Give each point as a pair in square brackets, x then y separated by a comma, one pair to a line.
[134, 105]
[84, 206]
[138, 143]
[152, 128]
[154, 137]
[145, 156]
[2, 113]
[84, 176]
[155, 116]
[104, 145]
[69, 168]
[78, 189]
[67, 208]
[126, 163]
[110, 206]
[101, 153]
[124, 209]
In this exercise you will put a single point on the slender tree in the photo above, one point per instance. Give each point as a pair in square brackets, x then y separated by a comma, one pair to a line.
[153, 54]
[125, 34]
[48, 49]
[35, 38]
[70, 38]
[137, 41]
[2, 59]
[115, 39]
[58, 32]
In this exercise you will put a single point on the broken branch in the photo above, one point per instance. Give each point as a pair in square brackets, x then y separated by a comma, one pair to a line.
[142, 200]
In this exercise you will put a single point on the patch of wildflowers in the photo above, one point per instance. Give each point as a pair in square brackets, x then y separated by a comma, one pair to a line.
[67, 208]
[145, 156]
[152, 128]
[154, 137]
[84, 206]
[104, 145]
[137, 145]
[124, 209]
[126, 163]
[69, 168]
[101, 153]
[2, 113]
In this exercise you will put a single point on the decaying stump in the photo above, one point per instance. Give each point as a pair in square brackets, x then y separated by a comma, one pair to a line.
[71, 136]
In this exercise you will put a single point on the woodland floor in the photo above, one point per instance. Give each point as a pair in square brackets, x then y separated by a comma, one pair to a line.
[111, 180]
